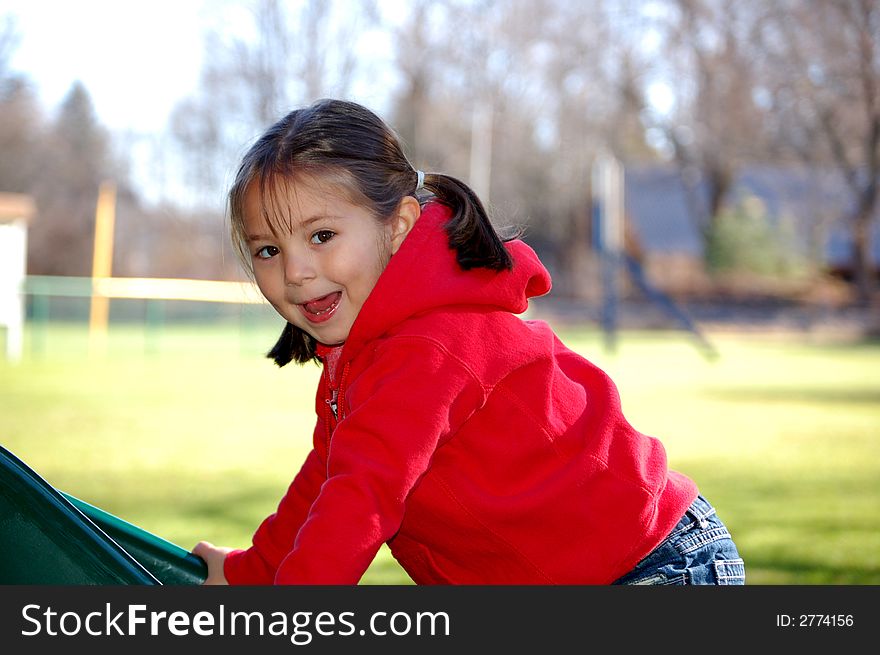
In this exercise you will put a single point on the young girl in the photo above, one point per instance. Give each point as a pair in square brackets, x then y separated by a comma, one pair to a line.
[472, 442]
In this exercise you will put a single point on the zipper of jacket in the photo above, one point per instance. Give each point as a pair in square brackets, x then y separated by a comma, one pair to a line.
[337, 407]
[332, 402]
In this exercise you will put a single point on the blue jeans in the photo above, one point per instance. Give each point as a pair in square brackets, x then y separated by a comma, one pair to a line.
[698, 551]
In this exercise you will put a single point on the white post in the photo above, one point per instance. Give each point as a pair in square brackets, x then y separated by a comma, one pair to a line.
[15, 212]
[13, 246]
[607, 182]
[608, 188]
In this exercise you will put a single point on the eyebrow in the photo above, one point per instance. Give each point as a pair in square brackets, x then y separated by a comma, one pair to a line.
[318, 217]
[304, 224]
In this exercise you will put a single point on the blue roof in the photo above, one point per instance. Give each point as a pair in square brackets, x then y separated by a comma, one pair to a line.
[657, 204]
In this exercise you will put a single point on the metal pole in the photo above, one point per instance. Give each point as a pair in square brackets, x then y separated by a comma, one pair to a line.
[607, 185]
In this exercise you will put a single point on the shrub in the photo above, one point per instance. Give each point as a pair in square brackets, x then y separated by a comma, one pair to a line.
[745, 238]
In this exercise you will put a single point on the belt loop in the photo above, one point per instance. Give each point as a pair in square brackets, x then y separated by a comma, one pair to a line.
[699, 516]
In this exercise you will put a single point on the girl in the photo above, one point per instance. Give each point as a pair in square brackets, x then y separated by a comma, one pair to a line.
[472, 442]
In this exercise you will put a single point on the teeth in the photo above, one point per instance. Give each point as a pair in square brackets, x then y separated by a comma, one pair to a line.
[320, 312]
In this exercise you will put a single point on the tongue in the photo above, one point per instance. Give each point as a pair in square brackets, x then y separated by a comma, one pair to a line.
[322, 304]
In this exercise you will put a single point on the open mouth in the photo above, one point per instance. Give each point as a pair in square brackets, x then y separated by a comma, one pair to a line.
[321, 309]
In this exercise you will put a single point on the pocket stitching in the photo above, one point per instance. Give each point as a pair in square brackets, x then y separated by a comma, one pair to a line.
[728, 570]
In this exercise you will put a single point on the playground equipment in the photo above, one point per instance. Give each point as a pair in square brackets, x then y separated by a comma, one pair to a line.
[51, 538]
[608, 241]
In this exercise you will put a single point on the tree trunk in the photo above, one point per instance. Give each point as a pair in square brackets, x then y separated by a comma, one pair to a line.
[863, 273]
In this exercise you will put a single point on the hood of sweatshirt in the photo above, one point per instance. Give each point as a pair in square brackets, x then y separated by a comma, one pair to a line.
[424, 275]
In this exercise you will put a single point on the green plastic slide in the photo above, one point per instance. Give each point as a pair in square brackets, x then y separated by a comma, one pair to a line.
[50, 538]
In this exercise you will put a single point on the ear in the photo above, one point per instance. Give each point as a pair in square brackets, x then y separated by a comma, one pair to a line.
[403, 220]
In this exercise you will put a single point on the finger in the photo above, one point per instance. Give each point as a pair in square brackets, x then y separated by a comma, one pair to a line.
[202, 548]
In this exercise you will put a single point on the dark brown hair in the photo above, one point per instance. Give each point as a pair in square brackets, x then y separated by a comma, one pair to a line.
[352, 147]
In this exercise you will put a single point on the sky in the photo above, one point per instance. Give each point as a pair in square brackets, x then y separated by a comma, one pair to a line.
[137, 59]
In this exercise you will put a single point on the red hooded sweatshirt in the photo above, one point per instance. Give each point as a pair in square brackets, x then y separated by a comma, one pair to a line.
[479, 447]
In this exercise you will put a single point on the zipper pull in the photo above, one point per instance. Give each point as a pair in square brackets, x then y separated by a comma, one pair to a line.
[333, 404]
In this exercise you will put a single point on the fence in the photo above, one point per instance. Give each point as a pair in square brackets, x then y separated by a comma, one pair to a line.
[151, 302]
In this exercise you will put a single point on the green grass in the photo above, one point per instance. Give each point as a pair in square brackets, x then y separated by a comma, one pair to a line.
[191, 434]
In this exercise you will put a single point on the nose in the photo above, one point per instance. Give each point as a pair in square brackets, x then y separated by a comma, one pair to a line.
[298, 270]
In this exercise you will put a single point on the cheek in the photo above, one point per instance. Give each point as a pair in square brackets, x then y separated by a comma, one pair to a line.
[382, 257]
[364, 272]
[265, 281]
[382, 253]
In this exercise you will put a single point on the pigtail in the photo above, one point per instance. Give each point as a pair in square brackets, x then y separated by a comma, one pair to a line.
[470, 232]
[293, 345]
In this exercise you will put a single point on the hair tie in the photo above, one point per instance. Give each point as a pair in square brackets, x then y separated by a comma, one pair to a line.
[420, 182]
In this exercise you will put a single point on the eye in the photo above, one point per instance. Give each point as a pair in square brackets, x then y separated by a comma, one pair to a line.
[266, 252]
[322, 236]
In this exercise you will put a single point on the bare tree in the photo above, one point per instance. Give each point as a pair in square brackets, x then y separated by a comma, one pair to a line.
[589, 99]
[59, 162]
[289, 55]
[20, 118]
[517, 97]
[714, 124]
[823, 82]
[419, 59]
[21, 124]
[465, 105]
[75, 158]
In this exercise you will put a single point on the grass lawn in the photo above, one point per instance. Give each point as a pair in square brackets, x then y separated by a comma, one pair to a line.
[191, 434]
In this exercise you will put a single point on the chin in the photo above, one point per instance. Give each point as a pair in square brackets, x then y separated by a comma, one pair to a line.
[330, 339]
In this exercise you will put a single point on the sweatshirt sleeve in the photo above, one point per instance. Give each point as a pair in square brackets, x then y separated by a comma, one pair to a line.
[408, 401]
[274, 538]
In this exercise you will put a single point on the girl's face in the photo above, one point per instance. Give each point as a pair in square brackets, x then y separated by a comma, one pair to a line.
[319, 268]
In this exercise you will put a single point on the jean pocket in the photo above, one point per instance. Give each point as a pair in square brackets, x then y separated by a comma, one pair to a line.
[730, 571]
